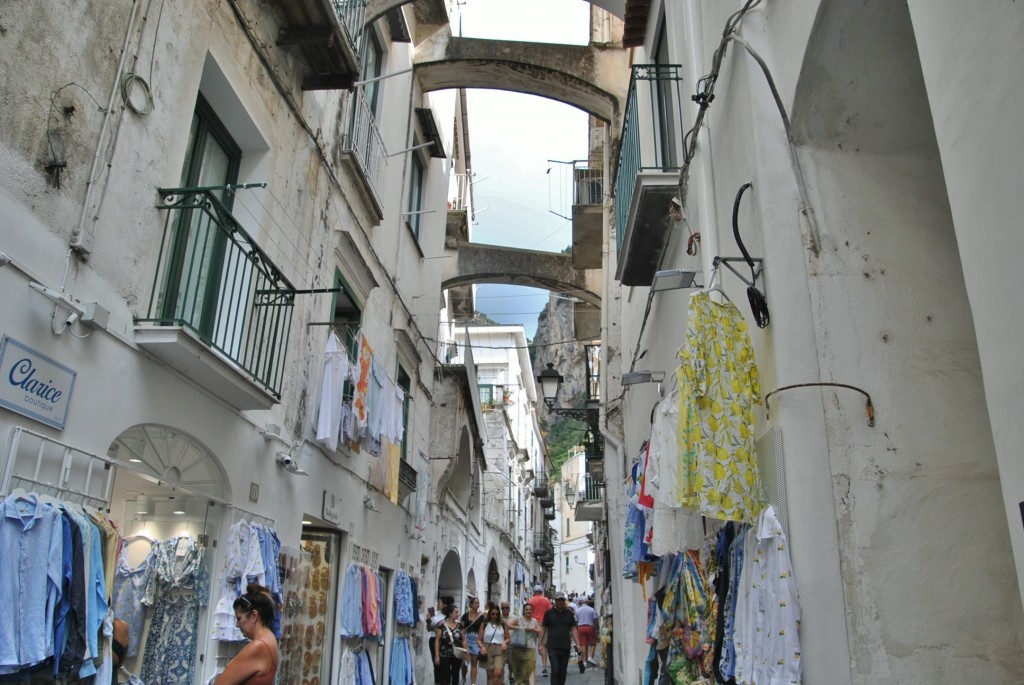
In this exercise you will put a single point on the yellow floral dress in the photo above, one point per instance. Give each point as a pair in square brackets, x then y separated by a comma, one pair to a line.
[719, 385]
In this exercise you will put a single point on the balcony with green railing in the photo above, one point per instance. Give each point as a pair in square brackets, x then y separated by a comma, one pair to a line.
[219, 309]
[647, 173]
[590, 504]
[363, 152]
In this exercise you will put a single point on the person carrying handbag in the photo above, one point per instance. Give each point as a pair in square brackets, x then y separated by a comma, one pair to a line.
[524, 634]
[448, 649]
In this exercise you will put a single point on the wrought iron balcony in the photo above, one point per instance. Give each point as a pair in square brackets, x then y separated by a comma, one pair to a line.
[590, 505]
[647, 174]
[541, 488]
[363, 152]
[587, 213]
[216, 290]
[327, 34]
[406, 479]
[540, 544]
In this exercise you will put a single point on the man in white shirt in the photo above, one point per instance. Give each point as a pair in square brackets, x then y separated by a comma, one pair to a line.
[587, 621]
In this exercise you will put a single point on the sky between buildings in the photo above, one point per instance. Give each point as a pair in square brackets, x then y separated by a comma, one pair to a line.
[512, 137]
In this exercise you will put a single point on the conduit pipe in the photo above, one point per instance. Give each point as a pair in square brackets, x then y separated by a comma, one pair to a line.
[701, 164]
[80, 241]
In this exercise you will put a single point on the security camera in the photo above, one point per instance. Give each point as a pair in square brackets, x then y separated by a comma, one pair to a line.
[290, 464]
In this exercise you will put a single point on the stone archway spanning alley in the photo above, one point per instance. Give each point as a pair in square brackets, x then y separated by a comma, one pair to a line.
[477, 263]
[434, 10]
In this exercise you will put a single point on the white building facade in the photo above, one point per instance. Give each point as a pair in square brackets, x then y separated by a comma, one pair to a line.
[881, 420]
[196, 205]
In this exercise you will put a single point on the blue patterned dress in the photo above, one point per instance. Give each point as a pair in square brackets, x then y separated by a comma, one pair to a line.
[129, 587]
[177, 589]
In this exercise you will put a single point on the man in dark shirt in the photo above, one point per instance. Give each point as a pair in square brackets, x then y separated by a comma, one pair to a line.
[558, 632]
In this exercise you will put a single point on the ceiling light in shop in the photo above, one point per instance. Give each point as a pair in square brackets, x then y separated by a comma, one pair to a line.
[144, 505]
[178, 505]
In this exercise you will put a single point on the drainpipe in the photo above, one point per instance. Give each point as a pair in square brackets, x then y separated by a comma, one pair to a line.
[612, 439]
[701, 164]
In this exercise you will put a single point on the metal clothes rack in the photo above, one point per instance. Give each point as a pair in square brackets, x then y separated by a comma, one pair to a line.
[366, 557]
[64, 471]
[254, 517]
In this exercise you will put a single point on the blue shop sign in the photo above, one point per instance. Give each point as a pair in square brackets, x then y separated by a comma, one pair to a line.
[34, 385]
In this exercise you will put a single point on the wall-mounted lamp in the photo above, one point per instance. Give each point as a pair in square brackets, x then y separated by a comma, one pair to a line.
[673, 279]
[634, 377]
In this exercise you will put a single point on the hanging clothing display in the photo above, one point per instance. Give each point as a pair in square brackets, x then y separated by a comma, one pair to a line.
[332, 392]
[405, 599]
[244, 562]
[401, 671]
[177, 590]
[362, 379]
[53, 579]
[129, 588]
[768, 610]
[31, 572]
[361, 614]
[727, 610]
[723, 382]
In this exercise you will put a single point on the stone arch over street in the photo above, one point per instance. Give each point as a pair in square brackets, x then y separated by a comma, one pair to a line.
[512, 266]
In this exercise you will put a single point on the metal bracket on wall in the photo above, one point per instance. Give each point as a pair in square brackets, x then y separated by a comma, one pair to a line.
[869, 408]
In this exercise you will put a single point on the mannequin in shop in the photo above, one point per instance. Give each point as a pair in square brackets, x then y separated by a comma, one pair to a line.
[256, 664]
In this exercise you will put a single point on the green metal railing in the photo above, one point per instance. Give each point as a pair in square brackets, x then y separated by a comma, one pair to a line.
[652, 136]
[593, 489]
[214, 280]
[365, 143]
[350, 14]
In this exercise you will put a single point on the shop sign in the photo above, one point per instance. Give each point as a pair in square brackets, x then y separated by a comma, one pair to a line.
[332, 513]
[34, 385]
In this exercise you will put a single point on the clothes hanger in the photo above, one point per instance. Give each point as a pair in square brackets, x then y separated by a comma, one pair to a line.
[20, 494]
[715, 283]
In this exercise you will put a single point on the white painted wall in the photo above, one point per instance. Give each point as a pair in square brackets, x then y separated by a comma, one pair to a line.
[882, 520]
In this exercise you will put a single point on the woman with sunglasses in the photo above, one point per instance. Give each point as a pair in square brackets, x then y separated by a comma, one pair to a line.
[493, 639]
[256, 664]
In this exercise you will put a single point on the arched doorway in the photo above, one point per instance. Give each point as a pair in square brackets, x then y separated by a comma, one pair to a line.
[494, 589]
[168, 494]
[449, 578]
[471, 590]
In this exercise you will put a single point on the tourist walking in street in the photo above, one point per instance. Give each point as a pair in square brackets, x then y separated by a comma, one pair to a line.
[434, 621]
[587, 624]
[447, 637]
[524, 636]
[471, 621]
[540, 605]
[494, 643]
[559, 634]
[506, 617]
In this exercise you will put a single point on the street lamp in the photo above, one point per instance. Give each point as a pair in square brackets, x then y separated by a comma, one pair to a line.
[570, 494]
[550, 381]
